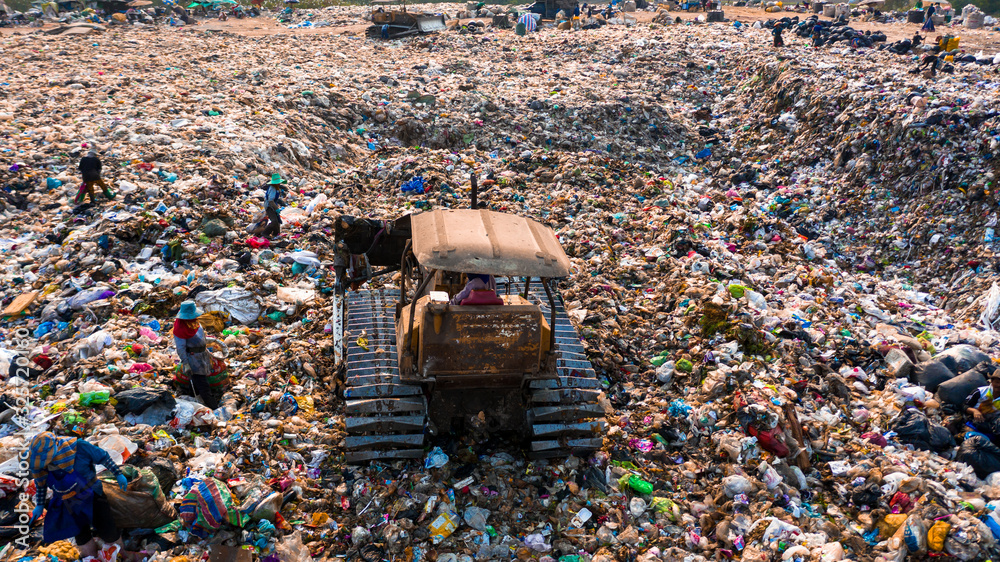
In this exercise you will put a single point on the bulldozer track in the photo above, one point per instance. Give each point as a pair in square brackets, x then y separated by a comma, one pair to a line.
[385, 418]
[563, 412]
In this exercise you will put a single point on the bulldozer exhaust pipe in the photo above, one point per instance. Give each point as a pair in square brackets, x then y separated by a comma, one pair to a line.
[474, 198]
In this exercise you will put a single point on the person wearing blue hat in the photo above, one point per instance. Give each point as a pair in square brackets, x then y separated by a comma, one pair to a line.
[196, 363]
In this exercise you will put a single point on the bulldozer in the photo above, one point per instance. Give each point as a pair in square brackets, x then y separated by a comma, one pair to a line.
[415, 363]
[391, 22]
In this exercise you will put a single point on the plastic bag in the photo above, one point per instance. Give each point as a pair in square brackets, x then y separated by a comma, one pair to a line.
[83, 298]
[867, 494]
[267, 508]
[915, 535]
[119, 448]
[932, 374]
[291, 549]
[735, 485]
[961, 358]
[316, 203]
[913, 427]
[536, 542]
[937, 534]
[779, 530]
[476, 517]
[93, 344]
[991, 310]
[889, 524]
[109, 553]
[978, 452]
[142, 505]
[95, 398]
[207, 506]
[770, 476]
[188, 412]
[890, 485]
[956, 390]
[435, 459]
[831, 552]
[241, 304]
[637, 506]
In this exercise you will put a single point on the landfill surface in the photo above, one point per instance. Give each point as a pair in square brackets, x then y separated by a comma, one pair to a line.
[784, 272]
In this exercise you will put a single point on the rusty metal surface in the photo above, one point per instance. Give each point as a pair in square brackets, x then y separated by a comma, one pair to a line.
[385, 413]
[482, 341]
[486, 242]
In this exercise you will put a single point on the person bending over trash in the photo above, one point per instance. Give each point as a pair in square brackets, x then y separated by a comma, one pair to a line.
[983, 406]
[90, 170]
[929, 64]
[78, 507]
[817, 35]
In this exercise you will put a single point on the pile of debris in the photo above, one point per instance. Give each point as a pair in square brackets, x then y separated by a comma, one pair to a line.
[782, 272]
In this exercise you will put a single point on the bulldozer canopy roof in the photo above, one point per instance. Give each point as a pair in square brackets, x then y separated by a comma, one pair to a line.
[486, 242]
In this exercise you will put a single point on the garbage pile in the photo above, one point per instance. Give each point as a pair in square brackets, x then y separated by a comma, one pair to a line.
[830, 31]
[783, 271]
[329, 16]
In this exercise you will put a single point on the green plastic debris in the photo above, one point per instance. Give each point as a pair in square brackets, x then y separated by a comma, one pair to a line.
[94, 398]
[640, 485]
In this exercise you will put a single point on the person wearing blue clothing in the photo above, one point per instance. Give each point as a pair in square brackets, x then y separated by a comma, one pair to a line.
[776, 32]
[273, 204]
[78, 507]
[928, 19]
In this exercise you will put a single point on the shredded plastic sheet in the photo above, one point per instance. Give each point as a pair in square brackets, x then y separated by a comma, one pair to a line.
[240, 304]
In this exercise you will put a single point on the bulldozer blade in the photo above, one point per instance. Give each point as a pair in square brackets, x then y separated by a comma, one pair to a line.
[430, 24]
